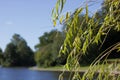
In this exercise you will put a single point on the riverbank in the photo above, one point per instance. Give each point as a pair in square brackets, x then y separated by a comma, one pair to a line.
[47, 69]
[56, 69]
[61, 69]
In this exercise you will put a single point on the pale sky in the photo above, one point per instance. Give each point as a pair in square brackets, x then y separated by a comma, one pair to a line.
[31, 18]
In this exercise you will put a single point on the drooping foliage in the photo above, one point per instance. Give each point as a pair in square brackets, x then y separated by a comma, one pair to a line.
[79, 38]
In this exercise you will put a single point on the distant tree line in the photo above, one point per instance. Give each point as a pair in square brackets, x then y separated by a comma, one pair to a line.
[17, 53]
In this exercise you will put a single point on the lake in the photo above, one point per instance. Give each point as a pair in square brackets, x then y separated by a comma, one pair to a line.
[26, 74]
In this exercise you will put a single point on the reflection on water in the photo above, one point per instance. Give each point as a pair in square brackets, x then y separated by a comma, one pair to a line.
[26, 74]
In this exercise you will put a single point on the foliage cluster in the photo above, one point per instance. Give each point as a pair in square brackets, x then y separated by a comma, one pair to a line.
[1, 56]
[96, 31]
[48, 48]
[17, 53]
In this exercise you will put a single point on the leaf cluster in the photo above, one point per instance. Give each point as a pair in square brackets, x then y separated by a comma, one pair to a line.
[81, 34]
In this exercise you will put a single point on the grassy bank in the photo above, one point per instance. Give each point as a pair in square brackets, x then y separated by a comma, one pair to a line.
[112, 63]
[56, 68]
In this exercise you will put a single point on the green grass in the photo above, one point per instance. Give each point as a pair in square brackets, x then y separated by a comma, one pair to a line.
[56, 68]
[82, 68]
[113, 60]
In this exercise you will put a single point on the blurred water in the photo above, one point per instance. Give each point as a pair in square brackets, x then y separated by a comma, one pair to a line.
[26, 74]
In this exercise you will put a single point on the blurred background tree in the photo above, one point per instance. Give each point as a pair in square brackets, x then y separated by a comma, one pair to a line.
[18, 53]
[1, 56]
[48, 48]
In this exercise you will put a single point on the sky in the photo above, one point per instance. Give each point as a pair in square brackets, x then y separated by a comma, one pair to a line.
[31, 18]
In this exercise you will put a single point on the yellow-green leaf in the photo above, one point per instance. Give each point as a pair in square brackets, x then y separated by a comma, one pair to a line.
[54, 23]
[86, 13]
[61, 19]
[67, 16]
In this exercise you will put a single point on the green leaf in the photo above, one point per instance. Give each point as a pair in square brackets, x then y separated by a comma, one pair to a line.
[57, 7]
[78, 11]
[67, 16]
[99, 34]
[86, 13]
[54, 23]
[85, 45]
[118, 49]
[52, 12]
[61, 19]
[62, 5]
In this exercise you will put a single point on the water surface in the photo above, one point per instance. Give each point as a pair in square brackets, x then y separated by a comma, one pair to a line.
[26, 74]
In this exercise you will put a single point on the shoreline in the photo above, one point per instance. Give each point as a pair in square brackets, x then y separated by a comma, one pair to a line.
[60, 69]
[53, 69]
[47, 69]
